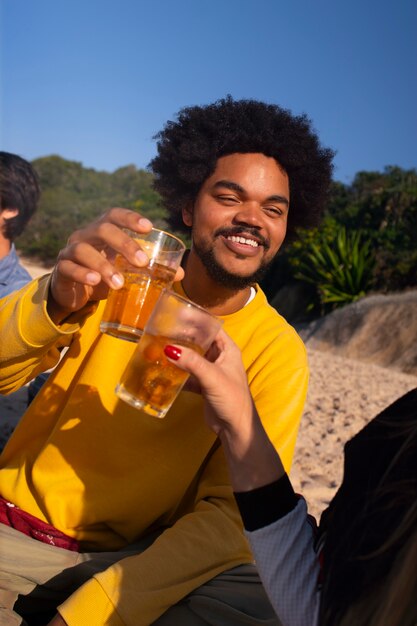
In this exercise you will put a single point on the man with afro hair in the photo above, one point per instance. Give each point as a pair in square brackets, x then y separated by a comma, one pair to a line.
[133, 520]
[188, 151]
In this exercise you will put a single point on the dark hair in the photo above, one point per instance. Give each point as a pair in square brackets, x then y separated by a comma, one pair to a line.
[371, 525]
[188, 150]
[19, 189]
[392, 600]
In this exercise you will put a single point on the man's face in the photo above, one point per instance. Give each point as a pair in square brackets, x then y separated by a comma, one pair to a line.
[239, 218]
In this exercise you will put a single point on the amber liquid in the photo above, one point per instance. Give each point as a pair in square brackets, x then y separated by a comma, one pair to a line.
[151, 382]
[128, 309]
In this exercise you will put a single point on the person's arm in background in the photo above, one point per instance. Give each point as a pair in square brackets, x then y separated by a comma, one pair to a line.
[275, 520]
[30, 343]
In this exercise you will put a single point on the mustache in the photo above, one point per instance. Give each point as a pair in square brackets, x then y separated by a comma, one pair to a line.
[236, 231]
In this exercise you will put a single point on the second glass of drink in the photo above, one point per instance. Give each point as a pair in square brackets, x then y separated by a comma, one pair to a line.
[128, 308]
[150, 381]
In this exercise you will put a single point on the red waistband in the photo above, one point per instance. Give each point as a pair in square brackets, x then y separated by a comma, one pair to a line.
[12, 515]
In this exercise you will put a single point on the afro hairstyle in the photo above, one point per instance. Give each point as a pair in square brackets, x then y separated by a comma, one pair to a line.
[188, 150]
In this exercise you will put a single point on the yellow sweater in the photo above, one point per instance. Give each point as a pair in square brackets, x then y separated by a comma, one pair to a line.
[105, 473]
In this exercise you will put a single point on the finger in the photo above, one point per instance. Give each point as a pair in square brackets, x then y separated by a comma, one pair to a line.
[107, 234]
[224, 340]
[70, 272]
[213, 352]
[191, 362]
[179, 274]
[109, 240]
[96, 247]
[115, 220]
[218, 347]
[84, 264]
[126, 218]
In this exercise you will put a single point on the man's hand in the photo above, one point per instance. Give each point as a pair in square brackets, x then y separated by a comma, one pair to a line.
[84, 271]
[57, 621]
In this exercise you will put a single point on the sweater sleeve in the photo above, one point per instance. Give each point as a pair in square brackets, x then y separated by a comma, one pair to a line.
[30, 341]
[201, 544]
[289, 567]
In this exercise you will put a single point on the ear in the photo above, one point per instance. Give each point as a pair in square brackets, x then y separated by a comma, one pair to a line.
[187, 215]
[7, 214]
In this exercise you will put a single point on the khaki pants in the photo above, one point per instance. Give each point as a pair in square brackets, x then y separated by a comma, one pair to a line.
[35, 578]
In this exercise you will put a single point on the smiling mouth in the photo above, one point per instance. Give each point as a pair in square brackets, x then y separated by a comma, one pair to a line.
[243, 240]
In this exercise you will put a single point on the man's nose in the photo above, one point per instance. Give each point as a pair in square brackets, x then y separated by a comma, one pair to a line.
[249, 213]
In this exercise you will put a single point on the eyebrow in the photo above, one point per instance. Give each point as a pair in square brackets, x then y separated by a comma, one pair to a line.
[229, 184]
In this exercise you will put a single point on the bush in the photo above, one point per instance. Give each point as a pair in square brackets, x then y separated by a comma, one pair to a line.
[337, 262]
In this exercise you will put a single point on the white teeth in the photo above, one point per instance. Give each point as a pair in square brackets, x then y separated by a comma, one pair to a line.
[248, 242]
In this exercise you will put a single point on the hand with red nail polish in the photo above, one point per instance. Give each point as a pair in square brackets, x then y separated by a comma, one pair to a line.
[230, 412]
[172, 352]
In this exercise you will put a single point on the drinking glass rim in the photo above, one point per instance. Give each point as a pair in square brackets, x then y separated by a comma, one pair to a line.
[171, 292]
[158, 230]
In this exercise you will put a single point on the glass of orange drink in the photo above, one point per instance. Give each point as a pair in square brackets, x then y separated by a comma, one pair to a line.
[128, 308]
[150, 381]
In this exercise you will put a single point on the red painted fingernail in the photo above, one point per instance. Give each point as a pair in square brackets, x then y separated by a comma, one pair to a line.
[172, 352]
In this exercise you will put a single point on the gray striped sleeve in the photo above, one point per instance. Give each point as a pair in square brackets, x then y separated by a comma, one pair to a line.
[289, 567]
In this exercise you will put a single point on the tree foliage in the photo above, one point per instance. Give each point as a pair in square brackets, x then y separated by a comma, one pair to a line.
[72, 196]
[377, 213]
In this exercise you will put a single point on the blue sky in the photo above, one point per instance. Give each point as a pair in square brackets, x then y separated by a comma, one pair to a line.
[94, 80]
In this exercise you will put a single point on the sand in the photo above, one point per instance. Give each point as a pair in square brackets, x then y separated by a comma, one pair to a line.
[344, 394]
[35, 269]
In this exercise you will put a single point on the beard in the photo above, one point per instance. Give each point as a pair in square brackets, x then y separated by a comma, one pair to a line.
[222, 276]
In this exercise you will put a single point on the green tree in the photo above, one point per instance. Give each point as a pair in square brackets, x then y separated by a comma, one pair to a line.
[383, 207]
[72, 196]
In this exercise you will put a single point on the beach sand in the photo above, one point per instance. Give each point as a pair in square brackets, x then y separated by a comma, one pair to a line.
[344, 394]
